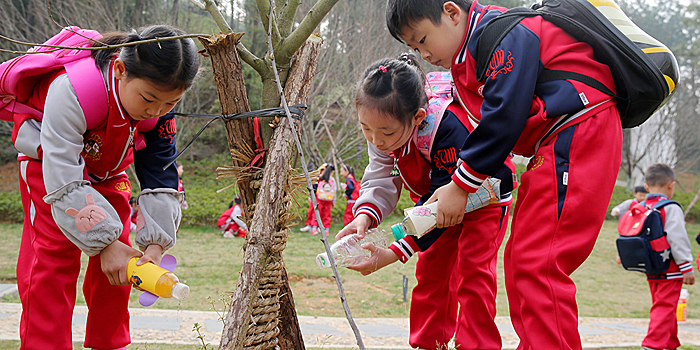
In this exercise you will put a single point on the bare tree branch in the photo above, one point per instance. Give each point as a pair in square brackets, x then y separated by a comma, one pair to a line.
[97, 48]
[210, 6]
[285, 19]
[312, 19]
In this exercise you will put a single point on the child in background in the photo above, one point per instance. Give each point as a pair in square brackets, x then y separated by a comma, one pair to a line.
[325, 195]
[459, 269]
[660, 181]
[310, 214]
[571, 131]
[352, 191]
[230, 223]
[640, 193]
[74, 186]
[181, 187]
[134, 213]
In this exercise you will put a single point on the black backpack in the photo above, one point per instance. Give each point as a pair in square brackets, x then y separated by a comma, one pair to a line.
[642, 244]
[645, 71]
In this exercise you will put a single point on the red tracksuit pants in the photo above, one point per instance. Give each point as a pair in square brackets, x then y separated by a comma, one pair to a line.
[561, 205]
[348, 217]
[48, 268]
[324, 209]
[459, 268]
[663, 324]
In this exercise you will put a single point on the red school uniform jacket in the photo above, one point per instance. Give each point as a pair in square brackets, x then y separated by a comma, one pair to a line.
[515, 112]
[406, 166]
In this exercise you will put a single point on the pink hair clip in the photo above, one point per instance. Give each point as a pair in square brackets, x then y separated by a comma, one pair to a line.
[382, 68]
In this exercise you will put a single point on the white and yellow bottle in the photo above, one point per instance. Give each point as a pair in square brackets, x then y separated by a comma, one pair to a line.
[156, 280]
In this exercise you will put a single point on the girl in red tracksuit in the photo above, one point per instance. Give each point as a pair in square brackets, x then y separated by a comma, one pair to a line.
[75, 191]
[571, 131]
[325, 195]
[458, 271]
[352, 191]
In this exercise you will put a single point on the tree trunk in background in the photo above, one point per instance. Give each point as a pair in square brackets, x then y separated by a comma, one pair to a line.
[269, 220]
[228, 76]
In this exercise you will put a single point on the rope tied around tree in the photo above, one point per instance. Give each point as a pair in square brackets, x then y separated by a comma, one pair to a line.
[297, 112]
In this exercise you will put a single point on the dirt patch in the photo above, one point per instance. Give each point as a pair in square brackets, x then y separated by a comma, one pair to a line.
[293, 278]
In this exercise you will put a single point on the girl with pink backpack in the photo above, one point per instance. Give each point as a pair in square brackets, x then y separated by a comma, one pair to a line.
[415, 133]
[77, 130]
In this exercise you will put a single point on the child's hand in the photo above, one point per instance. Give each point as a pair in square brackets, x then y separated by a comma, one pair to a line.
[689, 278]
[114, 260]
[359, 225]
[452, 200]
[153, 253]
[380, 257]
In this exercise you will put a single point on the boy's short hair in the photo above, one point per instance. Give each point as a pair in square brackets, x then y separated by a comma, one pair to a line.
[659, 174]
[402, 13]
[641, 189]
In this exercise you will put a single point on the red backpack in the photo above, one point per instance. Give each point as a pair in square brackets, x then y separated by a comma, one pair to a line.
[642, 244]
[20, 75]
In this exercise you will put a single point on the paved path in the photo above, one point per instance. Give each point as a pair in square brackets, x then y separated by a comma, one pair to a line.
[150, 325]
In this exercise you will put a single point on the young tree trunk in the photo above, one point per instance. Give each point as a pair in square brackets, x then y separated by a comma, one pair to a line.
[262, 260]
[228, 76]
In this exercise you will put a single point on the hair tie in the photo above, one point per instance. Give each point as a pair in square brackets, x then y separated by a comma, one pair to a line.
[382, 68]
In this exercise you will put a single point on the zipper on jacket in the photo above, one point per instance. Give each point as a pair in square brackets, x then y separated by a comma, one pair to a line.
[472, 119]
[132, 129]
[396, 165]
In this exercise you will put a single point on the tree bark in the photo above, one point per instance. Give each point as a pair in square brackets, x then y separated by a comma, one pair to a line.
[228, 76]
[271, 213]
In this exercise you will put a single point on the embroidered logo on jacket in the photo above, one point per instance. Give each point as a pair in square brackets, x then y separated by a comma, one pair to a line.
[93, 143]
[500, 64]
[535, 162]
[168, 130]
[446, 159]
[123, 186]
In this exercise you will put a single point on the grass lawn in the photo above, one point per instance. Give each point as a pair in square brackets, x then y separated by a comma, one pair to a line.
[210, 265]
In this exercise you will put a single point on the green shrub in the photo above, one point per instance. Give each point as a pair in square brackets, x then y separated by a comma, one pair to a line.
[11, 207]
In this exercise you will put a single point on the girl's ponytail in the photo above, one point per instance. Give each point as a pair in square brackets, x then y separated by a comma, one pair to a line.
[393, 87]
[103, 57]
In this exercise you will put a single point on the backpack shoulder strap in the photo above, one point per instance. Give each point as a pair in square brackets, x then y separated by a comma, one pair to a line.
[88, 83]
[498, 28]
[494, 32]
[664, 202]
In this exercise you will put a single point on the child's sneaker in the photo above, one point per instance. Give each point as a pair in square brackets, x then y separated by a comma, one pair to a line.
[314, 231]
[306, 228]
[229, 234]
[241, 232]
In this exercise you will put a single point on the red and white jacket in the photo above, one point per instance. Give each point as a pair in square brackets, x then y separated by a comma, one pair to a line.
[514, 112]
[406, 167]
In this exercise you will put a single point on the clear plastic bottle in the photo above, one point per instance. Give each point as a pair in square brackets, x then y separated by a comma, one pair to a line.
[422, 219]
[348, 250]
[157, 280]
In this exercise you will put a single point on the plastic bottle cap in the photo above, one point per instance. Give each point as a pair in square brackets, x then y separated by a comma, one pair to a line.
[180, 291]
[397, 231]
[322, 260]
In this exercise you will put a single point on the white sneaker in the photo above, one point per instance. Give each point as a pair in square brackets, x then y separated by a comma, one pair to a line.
[306, 228]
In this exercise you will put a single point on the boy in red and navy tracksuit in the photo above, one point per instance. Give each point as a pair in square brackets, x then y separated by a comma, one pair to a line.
[666, 287]
[456, 268]
[572, 132]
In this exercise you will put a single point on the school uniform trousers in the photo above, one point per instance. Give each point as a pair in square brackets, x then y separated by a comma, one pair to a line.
[561, 205]
[48, 268]
[459, 271]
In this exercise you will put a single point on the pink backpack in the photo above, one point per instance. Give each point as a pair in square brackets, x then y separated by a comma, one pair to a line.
[438, 87]
[20, 75]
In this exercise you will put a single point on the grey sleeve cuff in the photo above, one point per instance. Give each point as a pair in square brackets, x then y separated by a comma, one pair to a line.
[85, 217]
[159, 217]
